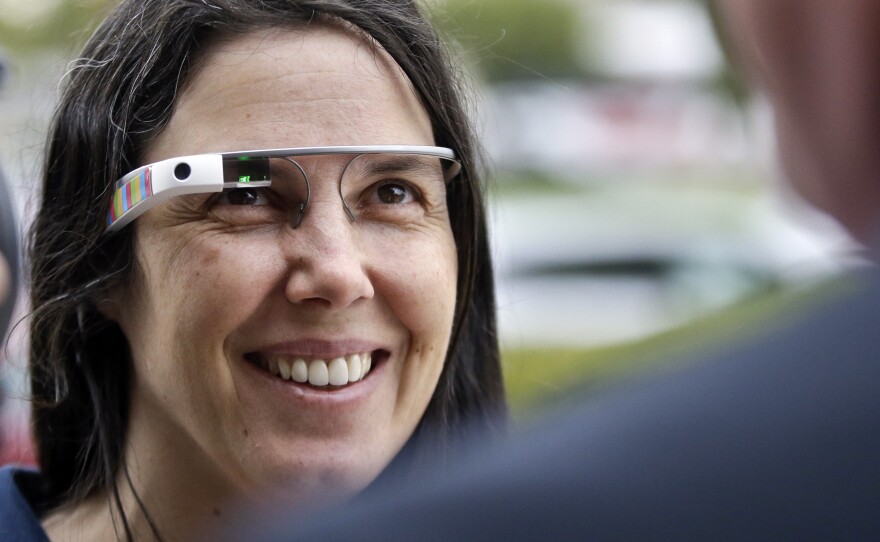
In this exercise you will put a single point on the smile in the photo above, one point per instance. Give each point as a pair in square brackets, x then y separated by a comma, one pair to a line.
[321, 373]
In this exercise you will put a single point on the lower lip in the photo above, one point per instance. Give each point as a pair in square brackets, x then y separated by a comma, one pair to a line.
[311, 395]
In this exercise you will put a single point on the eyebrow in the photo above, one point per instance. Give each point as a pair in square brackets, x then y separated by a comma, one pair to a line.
[409, 163]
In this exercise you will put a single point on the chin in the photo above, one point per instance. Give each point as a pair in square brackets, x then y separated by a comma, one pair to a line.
[301, 481]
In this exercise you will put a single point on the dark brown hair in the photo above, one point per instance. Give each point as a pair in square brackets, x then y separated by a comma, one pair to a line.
[119, 96]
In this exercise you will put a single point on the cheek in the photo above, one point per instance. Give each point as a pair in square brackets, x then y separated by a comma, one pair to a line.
[191, 294]
[417, 279]
[419, 285]
[220, 272]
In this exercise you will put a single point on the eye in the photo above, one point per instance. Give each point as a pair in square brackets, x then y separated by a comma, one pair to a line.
[243, 196]
[394, 193]
[248, 206]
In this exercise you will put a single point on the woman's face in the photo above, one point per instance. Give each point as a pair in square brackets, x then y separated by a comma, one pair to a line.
[216, 307]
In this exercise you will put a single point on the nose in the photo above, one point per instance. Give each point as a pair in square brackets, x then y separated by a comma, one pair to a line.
[328, 265]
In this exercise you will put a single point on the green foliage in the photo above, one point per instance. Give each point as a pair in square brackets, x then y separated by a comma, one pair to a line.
[63, 27]
[515, 39]
[729, 81]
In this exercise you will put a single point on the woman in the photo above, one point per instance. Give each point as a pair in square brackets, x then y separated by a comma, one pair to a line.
[173, 352]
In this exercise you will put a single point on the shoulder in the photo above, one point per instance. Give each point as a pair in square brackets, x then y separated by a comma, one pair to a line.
[18, 520]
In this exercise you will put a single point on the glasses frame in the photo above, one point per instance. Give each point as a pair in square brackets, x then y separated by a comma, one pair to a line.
[147, 186]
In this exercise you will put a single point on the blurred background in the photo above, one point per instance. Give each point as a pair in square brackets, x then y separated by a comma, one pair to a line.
[635, 206]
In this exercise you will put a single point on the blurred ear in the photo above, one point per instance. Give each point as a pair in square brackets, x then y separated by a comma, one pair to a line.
[108, 310]
[119, 294]
[110, 306]
[5, 279]
[5, 286]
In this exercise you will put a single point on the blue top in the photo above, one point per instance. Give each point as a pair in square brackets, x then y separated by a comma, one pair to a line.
[19, 491]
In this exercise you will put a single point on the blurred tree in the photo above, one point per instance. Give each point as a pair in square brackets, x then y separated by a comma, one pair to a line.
[515, 39]
[729, 81]
[33, 25]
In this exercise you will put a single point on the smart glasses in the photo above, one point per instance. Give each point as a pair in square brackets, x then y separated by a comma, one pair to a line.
[391, 183]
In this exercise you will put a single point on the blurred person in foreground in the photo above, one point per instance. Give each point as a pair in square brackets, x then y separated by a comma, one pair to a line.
[259, 269]
[8, 245]
[8, 277]
[777, 440]
[8, 259]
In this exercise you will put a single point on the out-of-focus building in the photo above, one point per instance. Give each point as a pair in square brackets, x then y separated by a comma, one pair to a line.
[635, 192]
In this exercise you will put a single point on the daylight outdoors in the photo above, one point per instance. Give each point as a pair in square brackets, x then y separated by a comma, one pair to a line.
[636, 211]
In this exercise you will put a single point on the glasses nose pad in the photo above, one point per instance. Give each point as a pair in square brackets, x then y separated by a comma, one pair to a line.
[345, 173]
[348, 210]
[298, 216]
[294, 185]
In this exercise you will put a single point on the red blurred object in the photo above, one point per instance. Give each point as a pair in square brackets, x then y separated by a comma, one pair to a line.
[16, 445]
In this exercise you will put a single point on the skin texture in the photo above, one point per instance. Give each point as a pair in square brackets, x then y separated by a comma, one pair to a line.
[206, 425]
[818, 64]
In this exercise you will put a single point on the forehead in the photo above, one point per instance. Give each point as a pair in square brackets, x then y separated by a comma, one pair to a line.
[288, 88]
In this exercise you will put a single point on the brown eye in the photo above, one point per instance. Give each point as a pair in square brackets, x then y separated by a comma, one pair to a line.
[242, 196]
[392, 193]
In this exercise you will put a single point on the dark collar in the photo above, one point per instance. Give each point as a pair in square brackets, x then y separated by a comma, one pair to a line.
[19, 490]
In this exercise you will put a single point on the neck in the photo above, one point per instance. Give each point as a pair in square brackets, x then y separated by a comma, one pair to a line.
[171, 486]
[98, 518]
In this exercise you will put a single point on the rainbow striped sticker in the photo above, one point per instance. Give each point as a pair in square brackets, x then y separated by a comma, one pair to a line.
[130, 194]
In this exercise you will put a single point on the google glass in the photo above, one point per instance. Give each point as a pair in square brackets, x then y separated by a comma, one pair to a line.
[402, 168]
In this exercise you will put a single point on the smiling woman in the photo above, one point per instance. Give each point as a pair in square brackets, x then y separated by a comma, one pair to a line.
[259, 269]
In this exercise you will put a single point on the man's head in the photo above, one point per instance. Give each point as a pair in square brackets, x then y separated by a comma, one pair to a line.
[819, 64]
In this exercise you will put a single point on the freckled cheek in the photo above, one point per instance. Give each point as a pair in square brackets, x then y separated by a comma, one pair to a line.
[418, 282]
[222, 272]
[417, 279]
[199, 296]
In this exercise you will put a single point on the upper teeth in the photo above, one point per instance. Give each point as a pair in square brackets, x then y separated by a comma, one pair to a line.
[318, 372]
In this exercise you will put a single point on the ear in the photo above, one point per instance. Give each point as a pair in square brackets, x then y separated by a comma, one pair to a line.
[110, 307]
[5, 277]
